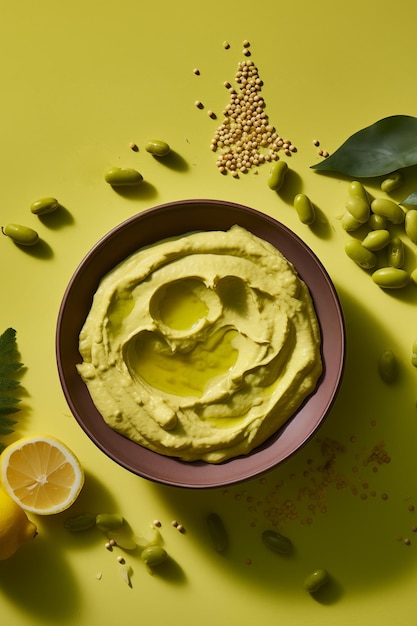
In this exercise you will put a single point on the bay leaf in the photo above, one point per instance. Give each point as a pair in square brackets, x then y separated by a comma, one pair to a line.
[410, 200]
[381, 148]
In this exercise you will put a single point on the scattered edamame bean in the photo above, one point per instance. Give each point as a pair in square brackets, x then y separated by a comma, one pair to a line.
[388, 366]
[44, 205]
[217, 532]
[362, 256]
[377, 222]
[396, 254]
[391, 277]
[153, 556]
[22, 235]
[411, 225]
[277, 175]
[277, 542]
[81, 522]
[376, 240]
[358, 208]
[392, 181]
[109, 521]
[305, 209]
[316, 580]
[389, 209]
[414, 353]
[357, 190]
[122, 177]
[157, 147]
[349, 223]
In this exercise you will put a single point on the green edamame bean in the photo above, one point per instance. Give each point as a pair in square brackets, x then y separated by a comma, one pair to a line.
[122, 177]
[44, 205]
[389, 209]
[391, 277]
[396, 253]
[392, 181]
[349, 223]
[316, 580]
[388, 366]
[363, 257]
[305, 208]
[376, 240]
[80, 522]
[411, 225]
[358, 208]
[277, 175]
[276, 542]
[357, 190]
[413, 276]
[109, 521]
[377, 222]
[414, 353]
[157, 147]
[22, 235]
[217, 532]
[153, 556]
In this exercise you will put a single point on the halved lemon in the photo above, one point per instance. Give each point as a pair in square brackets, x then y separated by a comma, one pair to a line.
[41, 474]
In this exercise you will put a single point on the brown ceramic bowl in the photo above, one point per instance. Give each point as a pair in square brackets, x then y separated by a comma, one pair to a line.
[174, 219]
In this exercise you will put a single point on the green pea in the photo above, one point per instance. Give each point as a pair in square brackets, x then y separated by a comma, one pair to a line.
[391, 277]
[109, 521]
[392, 181]
[153, 556]
[157, 148]
[81, 522]
[122, 177]
[358, 208]
[305, 208]
[316, 580]
[357, 190]
[411, 225]
[22, 235]
[44, 205]
[388, 366]
[377, 222]
[376, 240]
[217, 532]
[349, 223]
[363, 257]
[277, 175]
[276, 542]
[389, 209]
[396, 253]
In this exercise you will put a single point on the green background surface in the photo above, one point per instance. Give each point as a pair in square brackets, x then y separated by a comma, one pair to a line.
[80, 81]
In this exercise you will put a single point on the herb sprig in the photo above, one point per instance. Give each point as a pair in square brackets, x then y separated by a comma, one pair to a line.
[9, 384]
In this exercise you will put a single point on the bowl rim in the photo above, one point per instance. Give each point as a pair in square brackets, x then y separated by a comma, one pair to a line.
[171, 470]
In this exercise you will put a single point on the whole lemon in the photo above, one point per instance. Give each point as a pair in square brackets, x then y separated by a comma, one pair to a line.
[15, 527]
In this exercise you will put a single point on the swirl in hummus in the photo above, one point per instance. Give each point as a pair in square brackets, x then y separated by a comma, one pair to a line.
[201, 346]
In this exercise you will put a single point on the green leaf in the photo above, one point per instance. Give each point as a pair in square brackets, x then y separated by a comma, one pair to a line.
[8, 384]
[410, 200]
[9, 365]
[6, 425]
[388, 145]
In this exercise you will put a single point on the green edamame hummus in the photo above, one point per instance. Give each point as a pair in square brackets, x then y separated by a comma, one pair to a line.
[201, 347]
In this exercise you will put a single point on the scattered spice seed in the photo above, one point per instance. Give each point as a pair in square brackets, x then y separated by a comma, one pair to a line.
[112, 542]
[227, 84]
[133, 147]
[316, 142]
[325, 154]
[211, 114]
[121, 560]
[226, 45]
[414, 529]
[407, 541]
[199, 104]
[411, 507]
[157, 523]
[196, 71]
[245, 43]
[246, 52]
[180, 528]
[108, 546]
[174, 523]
